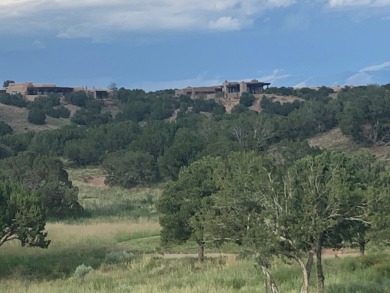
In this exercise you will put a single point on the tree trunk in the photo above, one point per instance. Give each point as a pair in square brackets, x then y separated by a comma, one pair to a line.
[309, 263]
[270, 285]
[320, 272]
[200, 251]
[362, 244]
[305, 286]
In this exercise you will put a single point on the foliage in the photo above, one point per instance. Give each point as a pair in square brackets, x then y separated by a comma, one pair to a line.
[287, 152]
[17, 142]
[46, 176]
[268, 106]
[91, 117]
[5, 151]
[115, 257]
[77, 98]
[239, 108]
[365, 114]
[245, 198]
[252, 132]
[50, 105]
[134, 111]
[247, 99]
[211, 106]
[22, 216]
[183, 201]
[13, 100]
[185, 148]
[53, 142]
[7, 82]
[45, 102]
[155, 137]
[36, 116]
[82, 270]
[5, 128]
[129, 169]
[89, 146]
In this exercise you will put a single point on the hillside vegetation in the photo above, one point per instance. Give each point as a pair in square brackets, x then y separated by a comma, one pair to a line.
[269, 184]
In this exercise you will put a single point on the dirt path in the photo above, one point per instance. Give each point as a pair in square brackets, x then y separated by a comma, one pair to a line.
[326, 253]
[194, 255]
[95, 181]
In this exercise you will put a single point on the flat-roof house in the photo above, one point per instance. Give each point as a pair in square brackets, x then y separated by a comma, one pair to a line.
[30, 91]
[226, 90]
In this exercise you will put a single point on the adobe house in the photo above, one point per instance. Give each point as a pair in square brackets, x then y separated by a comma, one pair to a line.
[227, 90]
[30, 91]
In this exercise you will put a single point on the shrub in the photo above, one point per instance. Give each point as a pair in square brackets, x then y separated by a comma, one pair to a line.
[115, 257]
[239, 108]
[13, 100]
[129, 169]
[247, 99]
[5, 128]
[63, 112]
[78, 98]
[36, 116]
[82, 270]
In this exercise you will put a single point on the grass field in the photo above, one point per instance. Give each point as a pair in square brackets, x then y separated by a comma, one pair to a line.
[117, 249]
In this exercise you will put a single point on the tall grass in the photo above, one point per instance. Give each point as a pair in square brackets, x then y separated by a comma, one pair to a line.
[101, 201]
[156, 274]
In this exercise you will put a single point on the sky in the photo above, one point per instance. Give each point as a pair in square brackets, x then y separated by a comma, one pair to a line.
[160, 44]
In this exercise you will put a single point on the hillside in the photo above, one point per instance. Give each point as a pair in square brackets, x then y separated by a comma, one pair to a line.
[229, 104]
[17, 119]
[334, 139]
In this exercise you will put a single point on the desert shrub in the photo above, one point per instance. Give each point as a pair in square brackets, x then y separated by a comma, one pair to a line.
[36, 116]
[78, 98]
[13, 100]
[63, 112]
[82, 270]
[5, 128]
[115, 257]
[247, 99]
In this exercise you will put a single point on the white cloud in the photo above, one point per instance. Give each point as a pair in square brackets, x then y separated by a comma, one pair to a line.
[199, 80]
[379, 67]
[225, 23]
[374, 3]
[301, 84]
[205, 80]
[39, 45]
[360, 78]
[277, 74]
[365, 75]
[87, 18]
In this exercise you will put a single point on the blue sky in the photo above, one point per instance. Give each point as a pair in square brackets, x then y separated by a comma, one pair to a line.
[157, 44]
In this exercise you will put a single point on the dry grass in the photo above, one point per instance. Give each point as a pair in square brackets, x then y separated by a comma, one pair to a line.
[17, 119]
[93, 234]
[279, 98]
[63, 233]
[333, 139]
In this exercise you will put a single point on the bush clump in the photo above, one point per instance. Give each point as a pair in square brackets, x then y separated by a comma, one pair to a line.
[82, 270]
[115, 257]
